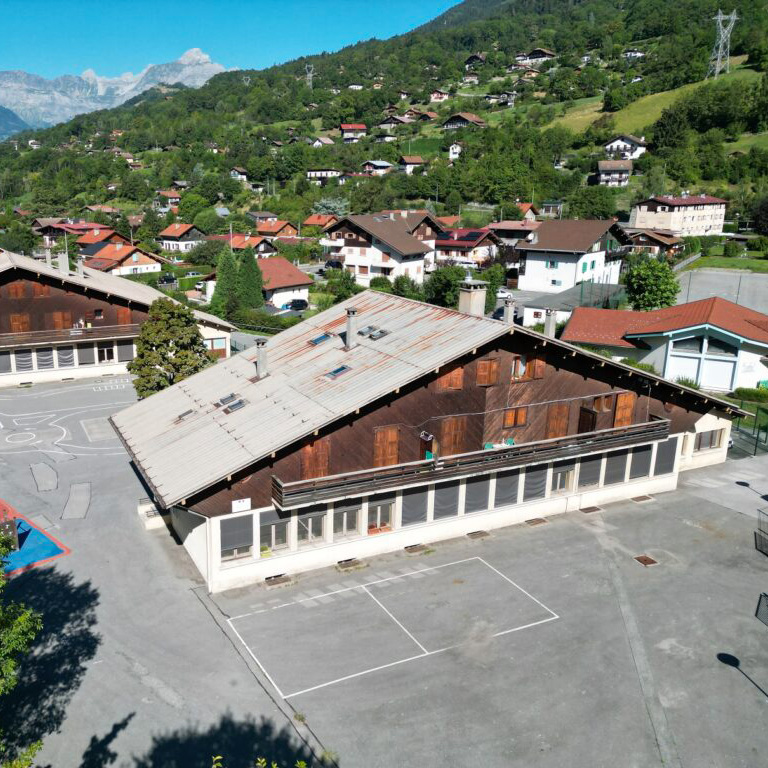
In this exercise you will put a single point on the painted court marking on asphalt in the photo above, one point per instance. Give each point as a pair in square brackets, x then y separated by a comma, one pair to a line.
[424, 653]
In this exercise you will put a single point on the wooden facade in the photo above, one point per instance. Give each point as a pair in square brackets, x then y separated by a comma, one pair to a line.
[518, 388]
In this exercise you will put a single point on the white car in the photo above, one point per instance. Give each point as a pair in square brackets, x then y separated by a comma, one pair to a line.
[505, 293]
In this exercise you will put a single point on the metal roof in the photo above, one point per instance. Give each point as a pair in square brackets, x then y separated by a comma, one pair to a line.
[180, 457]
[184, 442]
[103, 282]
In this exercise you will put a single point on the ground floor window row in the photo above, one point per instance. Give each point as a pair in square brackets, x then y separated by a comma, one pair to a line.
[65, 356]
[273, 532]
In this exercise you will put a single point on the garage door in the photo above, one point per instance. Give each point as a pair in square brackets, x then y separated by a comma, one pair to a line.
[683, 368]
[717, 374]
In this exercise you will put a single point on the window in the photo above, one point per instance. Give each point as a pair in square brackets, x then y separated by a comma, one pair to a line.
[336, 372]
[556, 282]
[58, 320]
[414, 507]
[550, 264]
[583, 267]
[106, 352]
[451, 380]
[446, 500]
[65, 356]
[476, 494]
[641, 462]
[386, 444]
[41, 290]
[452, 437]
[692, 344]
[562, 476]
[665, 457]
[380, 512]
[315, 458]
[16, 290]
[23, 360]
[236, 537]
[709, 440]
[346, 518]
[535, 485]
[515, 417]
[19, 323]
[717, 347]
[311, 529]
[589, 471]
[44, 356]
[273, 533]
[98, 314]
[603, 403]
[85, 354]
[124, 350]
[615, 467]
[487, 372]
[526, 367]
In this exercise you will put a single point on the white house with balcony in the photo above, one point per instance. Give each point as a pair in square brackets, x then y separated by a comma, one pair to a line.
[685, 215]
[626, 147]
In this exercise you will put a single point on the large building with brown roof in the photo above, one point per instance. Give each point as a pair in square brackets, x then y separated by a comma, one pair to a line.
[560, 253]
[714, 342]
[684, 215]
[180, 238]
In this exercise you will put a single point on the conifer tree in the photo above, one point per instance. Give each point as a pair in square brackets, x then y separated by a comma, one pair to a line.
[250, 281]
[225, 301]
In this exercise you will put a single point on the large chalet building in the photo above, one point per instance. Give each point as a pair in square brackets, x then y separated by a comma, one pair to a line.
[684, 216]
[389, 244]
[384, 422]
[60, 323]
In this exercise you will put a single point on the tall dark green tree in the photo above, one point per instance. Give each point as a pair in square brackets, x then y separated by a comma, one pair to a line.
[250, 281]
[168, 350]
[442, 287]
[226, 301]
[652, 285]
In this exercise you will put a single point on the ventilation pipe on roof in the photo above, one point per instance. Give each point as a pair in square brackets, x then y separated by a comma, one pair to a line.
[350, 341]
[550, 323]
[48, 259]
[509, 310]
[63, 263]
[261, 358]
[80, 271]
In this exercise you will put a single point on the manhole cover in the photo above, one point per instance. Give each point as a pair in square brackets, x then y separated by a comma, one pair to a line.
[646, 560]
[478, 534]
[536, 521]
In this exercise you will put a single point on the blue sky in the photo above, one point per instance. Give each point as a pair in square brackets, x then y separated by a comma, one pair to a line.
[53, 37]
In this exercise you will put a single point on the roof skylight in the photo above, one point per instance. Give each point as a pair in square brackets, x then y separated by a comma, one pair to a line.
[336, 372]
[320, 339]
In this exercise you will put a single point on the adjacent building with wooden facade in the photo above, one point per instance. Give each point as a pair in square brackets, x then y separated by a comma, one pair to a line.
[58, 323]
[385, 422]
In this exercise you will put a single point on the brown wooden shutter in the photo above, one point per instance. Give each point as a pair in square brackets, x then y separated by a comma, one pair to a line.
[16, 290]
[123, 316]
[19, 323]
[515, 417]
[315, 458]
[59, 320]
[453, 432]
[537, 365]
[487, 372]
[625, 409]
[386, 445]
[557, 420]
[41, 289]
[453, 379]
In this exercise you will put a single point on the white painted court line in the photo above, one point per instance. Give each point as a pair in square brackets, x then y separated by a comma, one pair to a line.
[425, 653]
[391, 616]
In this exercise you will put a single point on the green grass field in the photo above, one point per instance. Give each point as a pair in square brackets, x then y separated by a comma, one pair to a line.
[746, 142]
[723, 262]
[643, 112]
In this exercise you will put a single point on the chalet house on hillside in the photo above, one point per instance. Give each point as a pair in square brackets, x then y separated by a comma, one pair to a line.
[121, 259]
[684, 216]
[560, 253]
[529, 211]
[351, 133]
[403, 95]
[388, 124]
[180, 237]
[551, 209]
[454, 151]
[276, 228]
[614, 173]
[61, 323]
[471, 78]
[320, 220]
[261, 216]
[411, 163]
[463, 120]
[654, 241]
[377, 167]
[389, 243]
[238, 174]
[626, 147]
[439, 95]
[714, 342]
[632, 54]
[321, 176]
[535, 58]
[108, 209]
[409, 424]
[262, 247]
[465, 246]
[322, 141]
[510, 233]
[100, 236]
[474, 60]
[166, 198]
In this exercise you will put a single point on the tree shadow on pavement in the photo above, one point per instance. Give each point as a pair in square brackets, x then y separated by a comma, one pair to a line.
[99, 754]
[239, 743]
[52, 672]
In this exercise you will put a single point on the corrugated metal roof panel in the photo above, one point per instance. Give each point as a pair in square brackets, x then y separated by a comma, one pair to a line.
[183, 457]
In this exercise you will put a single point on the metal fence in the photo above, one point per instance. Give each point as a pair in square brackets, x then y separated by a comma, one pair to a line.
[754, 426]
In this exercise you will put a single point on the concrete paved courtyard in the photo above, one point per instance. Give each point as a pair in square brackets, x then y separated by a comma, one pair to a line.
[545, 645]
[750, 289]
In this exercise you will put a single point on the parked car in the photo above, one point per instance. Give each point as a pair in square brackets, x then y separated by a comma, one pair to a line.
[200, 286]
[505, 293]
[298, 305]
[166, 279]
[332, 264]
[192, 274]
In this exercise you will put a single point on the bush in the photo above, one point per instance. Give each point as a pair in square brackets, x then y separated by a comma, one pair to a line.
[732, 250]
[381, 283]
[752, 394]
[684, 381]
[648, 367]
[253, 319]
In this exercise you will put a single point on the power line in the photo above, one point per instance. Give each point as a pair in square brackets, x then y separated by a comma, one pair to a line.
[720, 60]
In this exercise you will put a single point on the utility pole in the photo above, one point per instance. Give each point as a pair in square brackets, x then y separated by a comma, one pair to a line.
[310, 70]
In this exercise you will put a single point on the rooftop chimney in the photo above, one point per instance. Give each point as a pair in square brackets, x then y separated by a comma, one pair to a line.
[550, 323]
[63, 263]
[350, 339]
[509, 310]
[80, 268]
[261, 358]
[48, 259]
[472, 297]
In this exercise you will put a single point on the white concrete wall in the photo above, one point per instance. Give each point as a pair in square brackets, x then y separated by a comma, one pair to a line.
[538, 277]
[209, 332]
[284, 295]
[530, 319]
[192, 529]
[686, 221]
[750, 371]
[372, 257]
[63, 374]
[136, 269]
[690, 459]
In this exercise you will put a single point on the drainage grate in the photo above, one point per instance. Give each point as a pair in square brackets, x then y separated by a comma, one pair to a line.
[646, 560]
[277, 580]
[536, 521]
[348, 564]
[415, 549]
[642, 499]
[590, 510]
[478, 535]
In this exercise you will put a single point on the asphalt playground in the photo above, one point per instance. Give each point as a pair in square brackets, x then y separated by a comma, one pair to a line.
[539, 645]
